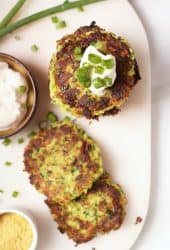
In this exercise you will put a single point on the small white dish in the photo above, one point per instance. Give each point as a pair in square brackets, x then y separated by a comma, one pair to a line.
[28, 217]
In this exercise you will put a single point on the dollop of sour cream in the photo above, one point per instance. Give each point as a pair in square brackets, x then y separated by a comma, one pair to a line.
[13, 96]
[107, 73]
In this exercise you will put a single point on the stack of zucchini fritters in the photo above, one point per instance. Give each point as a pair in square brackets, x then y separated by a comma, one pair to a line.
[66, 165]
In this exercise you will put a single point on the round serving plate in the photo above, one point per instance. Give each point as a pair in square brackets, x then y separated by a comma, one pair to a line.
[123, 138]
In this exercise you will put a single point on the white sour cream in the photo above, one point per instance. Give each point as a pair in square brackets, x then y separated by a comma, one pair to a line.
[107, 72]
[12, 99]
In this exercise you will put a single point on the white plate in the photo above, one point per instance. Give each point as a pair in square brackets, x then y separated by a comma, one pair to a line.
[124, 138]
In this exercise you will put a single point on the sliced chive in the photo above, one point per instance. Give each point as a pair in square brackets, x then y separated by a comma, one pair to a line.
[17, 37]
[20, 140]
[61, 24]
[6, 141]
[43, 124]
[22, 88]
[8, 163]
[98, 83]
[31, 134]
[108, 81]
[80, 8]
[54, 19]
[15, 194]
[94, 58]
[108, 63]
[66, 119]
[51, 117]
[99, 70]
[77, 50]
[83, 76]
[34, 48]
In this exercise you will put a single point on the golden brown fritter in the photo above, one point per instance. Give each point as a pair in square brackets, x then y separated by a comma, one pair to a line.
[68, 93]
[63, 161]
[101, 210]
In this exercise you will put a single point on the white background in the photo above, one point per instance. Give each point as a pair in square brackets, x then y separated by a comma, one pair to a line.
[155, 15]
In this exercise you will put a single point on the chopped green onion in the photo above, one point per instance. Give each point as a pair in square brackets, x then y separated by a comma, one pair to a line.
[62, 24]
[34, 48]
[20, 140]
[1, 191]
[108, 81]
[98, 83]
[31, 134]
[43, 124]
[99, 70]
[77, 50]
[108, 63]
[66, 119]
[15, 194]
[8, 163]
[94, 58]
[80, 8]
[6, 141]
[77, 57]
[17, 38]
[54, 19]
[51, 117]
[22, 88]
[98, 45]
[83, 76]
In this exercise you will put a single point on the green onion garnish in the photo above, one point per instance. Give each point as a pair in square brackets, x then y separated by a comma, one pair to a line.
[6, 141]
[20, 140]
[31, 134]
[61, 24]
[98, 83]
[77, 50]
[51, 117]
[99, 70]
[22, 88]
[108, 63]
[94, 58]
[83, 76]
[15, 194]
[54, 19]
[8, 163]
[34, 48]
[17, 38]
[80, 8]
[108, 81]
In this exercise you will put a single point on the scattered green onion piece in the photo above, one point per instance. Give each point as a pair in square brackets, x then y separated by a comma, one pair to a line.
[98, 83]
[94, 58]
[20, 140]
[34, 48]
[98, 45]
[108, 81]
[22, 88]
[99, 70]
[66, 119]
[83, 76]
[77, 57]
[31, 134]
[80, 8]
[108, 63]
[8, 163]
[62, 24]
[51, 117]
[43, 124]
[15, 194]
[77, 50]
[17, 38]
[54, 19]
[6, 141]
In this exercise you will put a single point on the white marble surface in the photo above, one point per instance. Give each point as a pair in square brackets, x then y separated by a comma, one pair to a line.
[156, 19]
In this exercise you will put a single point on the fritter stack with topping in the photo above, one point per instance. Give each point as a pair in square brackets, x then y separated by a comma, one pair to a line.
[65, 88]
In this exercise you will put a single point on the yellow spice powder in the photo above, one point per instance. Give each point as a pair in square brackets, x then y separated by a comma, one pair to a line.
[15, 232]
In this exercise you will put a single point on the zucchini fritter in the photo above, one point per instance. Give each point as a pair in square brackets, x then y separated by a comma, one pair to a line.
[98, 211]
[68, 93]
[63, 161]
